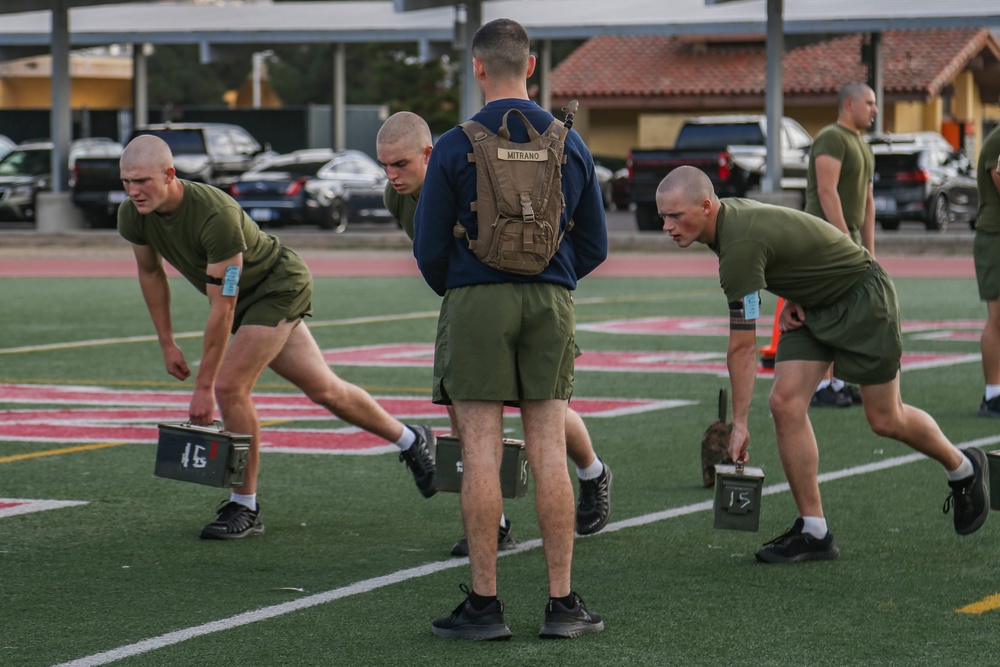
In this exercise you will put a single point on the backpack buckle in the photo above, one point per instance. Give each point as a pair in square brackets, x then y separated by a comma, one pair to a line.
[527, 213]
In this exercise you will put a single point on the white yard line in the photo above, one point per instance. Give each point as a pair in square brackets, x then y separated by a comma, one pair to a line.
[178, 636]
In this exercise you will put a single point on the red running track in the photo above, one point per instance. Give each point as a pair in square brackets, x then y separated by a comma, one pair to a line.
[697, 264]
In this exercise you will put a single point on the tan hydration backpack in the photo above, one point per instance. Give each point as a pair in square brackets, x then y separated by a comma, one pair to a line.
[519, 201]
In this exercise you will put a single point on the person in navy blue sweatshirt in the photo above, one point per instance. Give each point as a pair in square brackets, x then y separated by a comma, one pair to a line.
[505, 337]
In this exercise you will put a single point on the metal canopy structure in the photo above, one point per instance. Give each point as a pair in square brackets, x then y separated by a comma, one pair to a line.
[33, 26]
[97, 22]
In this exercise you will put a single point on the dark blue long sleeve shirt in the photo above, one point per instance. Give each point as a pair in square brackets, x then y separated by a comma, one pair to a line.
[450, 188]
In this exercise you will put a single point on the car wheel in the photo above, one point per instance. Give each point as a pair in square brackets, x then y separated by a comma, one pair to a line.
[336, 217]
[939, 216]
[647, 219]
[889, 225]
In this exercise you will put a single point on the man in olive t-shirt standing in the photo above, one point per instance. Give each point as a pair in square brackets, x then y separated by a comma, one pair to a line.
[258, 294]
[986, 253]
[839, 190]
[840, 308]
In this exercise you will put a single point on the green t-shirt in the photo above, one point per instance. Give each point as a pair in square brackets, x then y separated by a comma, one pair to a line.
[857, 165]
[402, 207]
[209, 227]
[988, 220]
[787, 252]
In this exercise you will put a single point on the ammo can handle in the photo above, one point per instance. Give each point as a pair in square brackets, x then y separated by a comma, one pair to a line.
[217, 424]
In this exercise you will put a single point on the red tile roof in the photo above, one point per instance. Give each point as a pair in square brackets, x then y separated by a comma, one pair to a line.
[915, 62]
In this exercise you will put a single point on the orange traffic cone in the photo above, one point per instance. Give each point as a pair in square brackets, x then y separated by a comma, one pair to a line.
[768, 352]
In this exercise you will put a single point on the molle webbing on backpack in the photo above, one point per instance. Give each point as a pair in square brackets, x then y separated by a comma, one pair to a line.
[519, 201]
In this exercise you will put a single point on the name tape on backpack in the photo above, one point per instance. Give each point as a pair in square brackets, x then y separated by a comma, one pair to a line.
[522, 156]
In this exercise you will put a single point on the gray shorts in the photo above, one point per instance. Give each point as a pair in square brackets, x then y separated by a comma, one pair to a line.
[859, 332]
[505, 342]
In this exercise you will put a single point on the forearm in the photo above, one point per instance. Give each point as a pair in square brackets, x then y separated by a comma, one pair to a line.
[214, 343]
[741, 360]
[832, 210]
[868, 228]
[156, 293]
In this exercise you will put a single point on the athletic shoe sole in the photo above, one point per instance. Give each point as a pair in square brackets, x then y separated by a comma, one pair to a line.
[569, 630]
[766, 556]
[475, 633]
[208, 535]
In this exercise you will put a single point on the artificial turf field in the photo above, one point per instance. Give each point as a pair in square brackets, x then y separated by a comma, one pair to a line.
[354, 564]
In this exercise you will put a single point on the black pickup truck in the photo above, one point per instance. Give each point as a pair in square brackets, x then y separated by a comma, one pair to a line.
[730, 149]
[214, 153]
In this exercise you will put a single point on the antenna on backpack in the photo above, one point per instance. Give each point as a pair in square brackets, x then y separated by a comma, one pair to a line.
[570, 111]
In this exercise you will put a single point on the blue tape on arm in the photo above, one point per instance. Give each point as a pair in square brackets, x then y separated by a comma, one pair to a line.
[231, 281]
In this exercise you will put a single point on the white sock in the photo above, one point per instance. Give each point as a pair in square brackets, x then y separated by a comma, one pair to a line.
[962, 471]
[593, 471]
[823, 384]
[815, 526]
[837, 384]
[992, 391]
[245, 500]
[407, 439]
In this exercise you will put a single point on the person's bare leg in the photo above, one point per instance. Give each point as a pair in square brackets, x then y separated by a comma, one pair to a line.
[794, 384]
[301, 362]
[248, 354]
[989, 343]
[891, 418]
[545, 439]
[481, 424]
[579, 447]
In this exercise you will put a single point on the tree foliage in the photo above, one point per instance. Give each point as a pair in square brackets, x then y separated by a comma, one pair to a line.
[376, 74]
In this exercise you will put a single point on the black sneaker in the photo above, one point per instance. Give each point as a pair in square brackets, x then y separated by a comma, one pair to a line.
[467, 623]
[828, 397]
[563, 622]
[794, 546]
[990, 408]
[419, 459]
[235, 521]
[970, 496]
[505, 542]
[594, 505]
[853, 393]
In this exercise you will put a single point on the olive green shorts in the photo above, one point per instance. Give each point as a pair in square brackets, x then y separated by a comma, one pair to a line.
[505, 342]
[285, 294]
[859, 332]
[986, 254]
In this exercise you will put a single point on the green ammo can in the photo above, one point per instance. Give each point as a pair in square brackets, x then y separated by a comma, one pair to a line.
[737, 496]
[513, 466]
[202, 454]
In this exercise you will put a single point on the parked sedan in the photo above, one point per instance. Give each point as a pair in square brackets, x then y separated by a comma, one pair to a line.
[924, 180]
[313, 187]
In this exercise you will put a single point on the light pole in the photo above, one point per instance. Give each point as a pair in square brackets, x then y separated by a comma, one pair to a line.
[258, 67]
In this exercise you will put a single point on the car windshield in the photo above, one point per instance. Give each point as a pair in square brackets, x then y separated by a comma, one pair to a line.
[711, 136]
[26, 163]
[894, 162]
[181, 142]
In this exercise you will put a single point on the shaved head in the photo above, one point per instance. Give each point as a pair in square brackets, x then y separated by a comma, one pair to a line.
[687, 184]
[149, 152]
[406, 129]
[852, 91]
